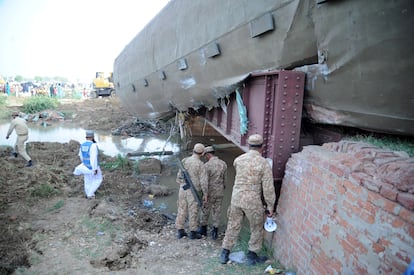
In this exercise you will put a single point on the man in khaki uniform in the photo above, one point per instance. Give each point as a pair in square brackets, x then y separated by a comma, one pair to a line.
[253, 178]
[217, 174]
[187, 204]
[19, 125]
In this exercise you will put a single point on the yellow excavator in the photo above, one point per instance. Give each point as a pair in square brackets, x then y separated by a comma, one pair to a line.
[103, 85]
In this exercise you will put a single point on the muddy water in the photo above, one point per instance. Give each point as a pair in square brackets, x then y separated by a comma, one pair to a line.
[116, 145]
[110, 145]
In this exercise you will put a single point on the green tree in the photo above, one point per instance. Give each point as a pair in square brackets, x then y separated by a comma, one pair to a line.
[18, 78]
[38, 78]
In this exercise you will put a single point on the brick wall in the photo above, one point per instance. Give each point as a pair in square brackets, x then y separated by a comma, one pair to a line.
[346, 208]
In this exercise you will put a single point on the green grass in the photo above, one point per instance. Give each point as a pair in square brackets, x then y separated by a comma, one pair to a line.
[57, 206]
[43, 190]
[120, 163]
[3, 100]
[36, 104]
[387, 142]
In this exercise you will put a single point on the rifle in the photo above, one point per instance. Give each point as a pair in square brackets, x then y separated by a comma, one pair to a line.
[189, 183]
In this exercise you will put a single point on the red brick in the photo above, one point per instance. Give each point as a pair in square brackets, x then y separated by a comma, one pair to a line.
[397, 223]
[352, 187]
[391, 207]
[407, 200]
[357, 244]
[407, 215]
[347, 247]
[367, 216]
[336, 170]
[358, 268]
[389, 192]
[377, 248]
[325, 230]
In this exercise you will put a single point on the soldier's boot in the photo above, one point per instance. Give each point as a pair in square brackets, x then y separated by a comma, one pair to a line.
[224, 256]
[214, 233]
[203, 230]
[181, 233]
[253, 259]
[194, 235]
[29, 163]
[14, 154]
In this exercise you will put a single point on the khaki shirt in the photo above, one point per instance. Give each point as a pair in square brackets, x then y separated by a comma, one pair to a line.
[197, 172]
[19, 125]
[254, 177]
[217, 175]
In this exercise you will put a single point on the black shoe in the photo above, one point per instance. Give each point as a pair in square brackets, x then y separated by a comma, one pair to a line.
[203, 230]
[29, 163]
[181, 233]
[253, 259]
[214, 233]
[14, 154]
[224, 256]
[194, 235]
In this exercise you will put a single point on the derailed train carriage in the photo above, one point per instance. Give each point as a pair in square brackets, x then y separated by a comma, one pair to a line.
[260, 66]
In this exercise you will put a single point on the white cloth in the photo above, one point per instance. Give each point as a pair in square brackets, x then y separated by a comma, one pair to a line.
[91, 181]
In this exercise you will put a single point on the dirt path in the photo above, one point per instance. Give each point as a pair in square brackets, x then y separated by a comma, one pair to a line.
[48, 227]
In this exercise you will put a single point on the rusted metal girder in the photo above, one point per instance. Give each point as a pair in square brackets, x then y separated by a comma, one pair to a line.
[273, 101]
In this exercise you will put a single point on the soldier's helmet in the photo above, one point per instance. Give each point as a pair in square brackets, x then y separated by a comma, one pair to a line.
[198, 148]
[89, 134]
[255, 140]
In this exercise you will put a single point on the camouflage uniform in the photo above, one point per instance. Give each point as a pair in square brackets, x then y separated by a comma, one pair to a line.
[253, 175]
[187, 204]
[217, 174]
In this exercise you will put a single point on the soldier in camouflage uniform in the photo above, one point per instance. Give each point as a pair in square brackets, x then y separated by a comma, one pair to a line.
[253, 178]
[217, 174]
[187, 204]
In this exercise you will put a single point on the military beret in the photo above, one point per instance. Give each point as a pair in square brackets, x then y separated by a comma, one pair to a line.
[208, 149]
[255, 140]
[198, 148]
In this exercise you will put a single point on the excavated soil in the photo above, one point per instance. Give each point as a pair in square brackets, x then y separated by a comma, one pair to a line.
[47, 226]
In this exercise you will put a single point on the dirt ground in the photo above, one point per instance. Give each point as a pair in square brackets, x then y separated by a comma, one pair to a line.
[47, 226]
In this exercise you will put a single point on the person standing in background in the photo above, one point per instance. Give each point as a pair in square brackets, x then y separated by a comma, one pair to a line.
[217, 174]
[89, 168]
[7, 89]
[22, 131]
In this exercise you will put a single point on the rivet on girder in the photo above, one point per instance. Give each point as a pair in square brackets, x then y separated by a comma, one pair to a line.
[297, 94]
[280, 154]
[282, 132]
[283, 125]
[283, 109]
[295, 110]
[267, 98]
[293, 147]
[281, 140]
[297, 86]
[294, 124]
[298, 78]
[283, 117]
[293, 139]
[284, 86]
[296, 101]
[281, 146]
[294, 117]
[283, 101]
[267, 105]
[284, 93]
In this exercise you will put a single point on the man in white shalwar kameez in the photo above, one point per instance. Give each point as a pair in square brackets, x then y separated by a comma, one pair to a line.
[89, 168]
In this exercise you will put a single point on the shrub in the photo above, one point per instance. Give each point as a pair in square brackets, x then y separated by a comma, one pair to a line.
[36, 104]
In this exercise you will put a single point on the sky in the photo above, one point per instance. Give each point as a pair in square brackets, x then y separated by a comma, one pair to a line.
[68, 38]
